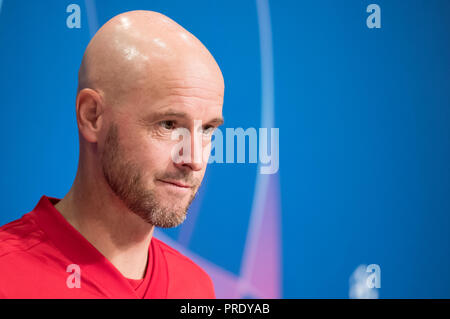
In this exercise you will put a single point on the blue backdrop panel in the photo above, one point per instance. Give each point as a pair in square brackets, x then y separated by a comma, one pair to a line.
[364, 131]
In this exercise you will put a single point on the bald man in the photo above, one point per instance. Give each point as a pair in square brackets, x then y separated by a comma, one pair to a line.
[142, 78]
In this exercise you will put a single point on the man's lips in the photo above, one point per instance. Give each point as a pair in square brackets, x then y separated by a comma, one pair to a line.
[176, 183]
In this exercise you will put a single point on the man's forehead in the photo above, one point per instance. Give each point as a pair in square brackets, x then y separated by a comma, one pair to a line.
[189, 94]
[186, 75]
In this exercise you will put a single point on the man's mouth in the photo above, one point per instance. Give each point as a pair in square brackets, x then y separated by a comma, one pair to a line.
[176, 183]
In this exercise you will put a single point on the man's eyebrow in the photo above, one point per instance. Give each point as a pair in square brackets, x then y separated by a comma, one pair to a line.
[217, 121]
[156, 116]
[170, 113]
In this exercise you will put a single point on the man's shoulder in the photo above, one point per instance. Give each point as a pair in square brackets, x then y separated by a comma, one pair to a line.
[185, 274]
[20, 235]
[178, 257]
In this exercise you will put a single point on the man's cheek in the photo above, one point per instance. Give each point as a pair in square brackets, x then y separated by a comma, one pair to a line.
[206, 153]
[162, 151]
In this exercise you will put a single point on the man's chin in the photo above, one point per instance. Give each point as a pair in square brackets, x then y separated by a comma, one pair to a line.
[169, 221]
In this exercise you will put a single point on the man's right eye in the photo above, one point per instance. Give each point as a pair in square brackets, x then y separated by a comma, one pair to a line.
[168, 125]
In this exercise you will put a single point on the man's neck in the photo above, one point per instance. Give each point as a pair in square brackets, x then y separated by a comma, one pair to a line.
[118, 234]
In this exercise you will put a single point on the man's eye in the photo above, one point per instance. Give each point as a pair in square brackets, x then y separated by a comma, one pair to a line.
[208, 130]
[168, 125]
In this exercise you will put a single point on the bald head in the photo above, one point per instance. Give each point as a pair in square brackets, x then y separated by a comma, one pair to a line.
[139, 49]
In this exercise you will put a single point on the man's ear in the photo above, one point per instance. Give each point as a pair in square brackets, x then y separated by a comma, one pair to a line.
[89, 108]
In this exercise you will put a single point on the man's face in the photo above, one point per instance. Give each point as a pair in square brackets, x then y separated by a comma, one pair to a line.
[136, 156]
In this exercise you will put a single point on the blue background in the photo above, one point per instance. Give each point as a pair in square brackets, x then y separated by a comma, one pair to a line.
[364, 132]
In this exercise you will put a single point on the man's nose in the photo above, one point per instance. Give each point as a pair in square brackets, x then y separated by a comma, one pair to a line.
[194, 160]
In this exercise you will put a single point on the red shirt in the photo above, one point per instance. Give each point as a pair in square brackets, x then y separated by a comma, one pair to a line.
[36, 250]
